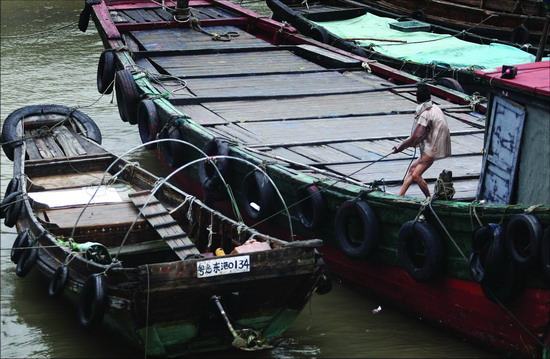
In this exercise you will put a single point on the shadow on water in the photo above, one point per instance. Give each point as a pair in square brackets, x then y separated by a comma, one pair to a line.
[47, 327]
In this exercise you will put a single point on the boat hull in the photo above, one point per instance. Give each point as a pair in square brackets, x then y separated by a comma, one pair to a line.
[130, 265]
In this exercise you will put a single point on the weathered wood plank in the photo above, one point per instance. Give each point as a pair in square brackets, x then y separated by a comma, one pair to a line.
[69, 144]
[159, 218]
[339, 129]
[272, 85]
[202, 115]
[237, 63]
[309, 107]
[89, 146]
[212, 13]
[239, 134]
[394, 170]
[68, 180]
[189, 39]
[46, 145]
[464, 189]
[32, 151]
[98, 215]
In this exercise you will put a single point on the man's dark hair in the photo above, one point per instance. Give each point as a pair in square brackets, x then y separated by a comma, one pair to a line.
[422, 93]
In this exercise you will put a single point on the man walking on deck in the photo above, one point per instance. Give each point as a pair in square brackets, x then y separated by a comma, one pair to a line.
[431, 134]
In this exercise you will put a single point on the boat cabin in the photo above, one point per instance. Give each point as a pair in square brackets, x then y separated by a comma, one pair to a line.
[516, 162]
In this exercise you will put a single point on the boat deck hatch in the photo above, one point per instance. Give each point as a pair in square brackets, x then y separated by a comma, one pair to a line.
[410, 26]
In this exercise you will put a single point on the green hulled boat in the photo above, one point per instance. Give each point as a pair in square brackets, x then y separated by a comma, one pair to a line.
[139, 256]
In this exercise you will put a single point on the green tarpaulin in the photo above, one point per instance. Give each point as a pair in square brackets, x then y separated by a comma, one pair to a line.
[426, 47]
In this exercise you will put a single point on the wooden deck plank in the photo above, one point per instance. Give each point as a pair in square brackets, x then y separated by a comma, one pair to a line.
[239, 134]
[189, 39]
[68, 180]
[69, 144]
[98, 215]
[289, 154]
[212, 13]
[46, 145]
[394, 170]
[238, 63]
[32, 150]
[163, 14]
[272, 85]
[338, 129]
[368, 80]
[464, 189]
[322, 153]
[88, 146]
[309, 107]
[202, 115]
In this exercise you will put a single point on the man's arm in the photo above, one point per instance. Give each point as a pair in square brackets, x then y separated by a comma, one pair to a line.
[413, 140]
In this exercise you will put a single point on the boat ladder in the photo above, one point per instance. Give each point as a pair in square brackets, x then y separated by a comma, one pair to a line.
[159, 218]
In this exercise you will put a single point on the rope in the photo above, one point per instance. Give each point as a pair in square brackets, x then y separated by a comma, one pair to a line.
[475, 99]
[467, 31]
[321, 190]
[446, 231]
[429, 203]
[44, 130]
[225, 36]
[472, 210]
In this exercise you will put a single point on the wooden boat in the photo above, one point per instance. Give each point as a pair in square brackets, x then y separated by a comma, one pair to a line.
[137, 254]
[321, 122]
[448, 56]
[520, 22]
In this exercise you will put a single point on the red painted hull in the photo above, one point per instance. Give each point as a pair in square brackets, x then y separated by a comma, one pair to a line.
[457, 304]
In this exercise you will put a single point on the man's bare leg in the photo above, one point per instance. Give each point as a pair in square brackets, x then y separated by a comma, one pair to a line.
[415, 175]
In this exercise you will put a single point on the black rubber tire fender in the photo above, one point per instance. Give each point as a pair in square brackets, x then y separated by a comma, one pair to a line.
[257, 189]
[127, 96]
[488, 253]
[496, 256]
[208, 176]
[26, 261]
[451, 83]
[173, 152]
[369, 229]
[12, 187]
[311, 207]
[324, 285]
[523, 237]
[545, 253]
[10, 138]
[320, 34]
[59, 281]
[508, 286]
[106, 72]
[520, 35]
[13, 211]
[84, 17]
[93, 301]
[21, 241]
[476, 261]
[148, 122]
[419, 15]
[426, 264]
